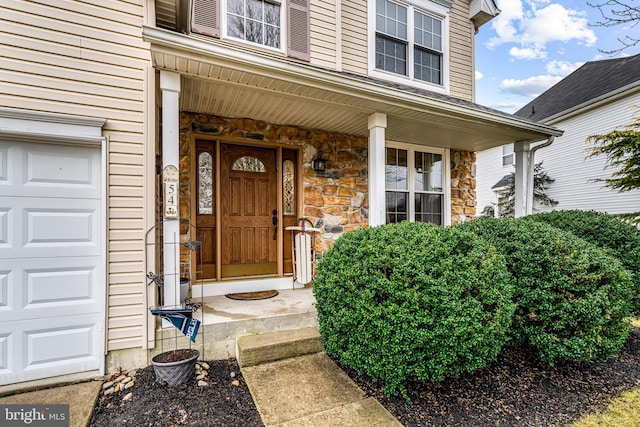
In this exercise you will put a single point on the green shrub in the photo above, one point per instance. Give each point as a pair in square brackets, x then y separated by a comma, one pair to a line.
[572, 298]
[605, 231]
[412, 300]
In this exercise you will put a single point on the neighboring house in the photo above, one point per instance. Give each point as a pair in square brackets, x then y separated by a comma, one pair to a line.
[597, 98]
[99, 98]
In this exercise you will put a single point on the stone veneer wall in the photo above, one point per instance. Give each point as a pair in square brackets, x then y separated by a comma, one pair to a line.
[334, 200]
[463, 186]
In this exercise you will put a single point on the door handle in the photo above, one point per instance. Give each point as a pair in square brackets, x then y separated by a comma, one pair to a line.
[274, 221]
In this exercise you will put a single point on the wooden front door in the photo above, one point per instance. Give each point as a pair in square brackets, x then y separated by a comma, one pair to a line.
[249, 203]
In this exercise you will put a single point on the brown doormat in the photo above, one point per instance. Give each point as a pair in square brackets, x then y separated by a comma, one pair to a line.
[253, 295]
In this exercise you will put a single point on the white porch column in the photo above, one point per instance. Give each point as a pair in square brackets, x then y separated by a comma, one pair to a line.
[170, 86]
[377, 207]
[521, 151]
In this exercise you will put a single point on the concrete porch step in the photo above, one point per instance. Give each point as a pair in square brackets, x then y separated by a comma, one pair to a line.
[273, 346]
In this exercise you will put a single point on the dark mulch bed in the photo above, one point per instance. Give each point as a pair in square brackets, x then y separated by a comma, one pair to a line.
[514, 391]
[220, 403]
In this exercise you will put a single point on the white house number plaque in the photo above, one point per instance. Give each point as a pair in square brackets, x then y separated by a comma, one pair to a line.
[170, 180]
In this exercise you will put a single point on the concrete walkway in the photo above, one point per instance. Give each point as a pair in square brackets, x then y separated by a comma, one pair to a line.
[312, 391]
[294, 383]
[81, 399]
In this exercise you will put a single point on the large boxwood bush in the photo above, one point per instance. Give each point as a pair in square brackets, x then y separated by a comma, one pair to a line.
[605, 231]
[412, 300]
[572, 298]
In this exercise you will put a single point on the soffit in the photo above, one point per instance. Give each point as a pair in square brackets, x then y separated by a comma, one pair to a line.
[218, 79]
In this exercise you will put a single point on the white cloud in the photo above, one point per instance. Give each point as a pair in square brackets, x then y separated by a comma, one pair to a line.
[537, 24]
[562, 68]
[479, 75]
[503, 24]
[527, 53]
[531, 86]
[555, 23]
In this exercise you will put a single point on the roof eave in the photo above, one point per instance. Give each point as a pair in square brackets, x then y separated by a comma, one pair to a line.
[290, 70]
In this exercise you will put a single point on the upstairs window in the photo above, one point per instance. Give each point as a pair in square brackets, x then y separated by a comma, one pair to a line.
[409, 42]
[280, 25]
[255, 21]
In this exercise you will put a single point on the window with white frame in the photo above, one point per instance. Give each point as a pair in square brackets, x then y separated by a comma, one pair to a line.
[415, 185]
[255, 21]
[410, 42]
[508, 158]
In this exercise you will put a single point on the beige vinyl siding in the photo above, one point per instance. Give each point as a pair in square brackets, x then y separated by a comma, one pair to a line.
[354, 37]
[323, 33]
[461, 72]
[87, 58]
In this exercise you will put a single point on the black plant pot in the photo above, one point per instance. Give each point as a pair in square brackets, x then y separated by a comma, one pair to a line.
[175, 366]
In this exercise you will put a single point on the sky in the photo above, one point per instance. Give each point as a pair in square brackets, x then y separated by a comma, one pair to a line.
[533, 44]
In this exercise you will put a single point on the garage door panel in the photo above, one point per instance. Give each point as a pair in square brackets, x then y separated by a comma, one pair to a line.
[4, 164]
[47, 167]
[47, 170]
[60, 227]
[6, 362]
[51, 347]
[5, 221]
[46, 287]
[5, 290]
[45, 227]
[57, 287]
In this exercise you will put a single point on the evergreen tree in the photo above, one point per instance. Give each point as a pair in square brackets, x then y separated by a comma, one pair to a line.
[541, 183]
[622, 148]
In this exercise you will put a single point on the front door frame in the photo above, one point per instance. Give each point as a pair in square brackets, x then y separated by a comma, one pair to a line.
[217, 141]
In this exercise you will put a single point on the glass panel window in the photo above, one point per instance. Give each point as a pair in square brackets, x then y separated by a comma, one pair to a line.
[248, 164]
[391, 37]
[428, 173]
[396, 36]
[508, 158]
[288, 181]
[205, 184]
[256, 21]
[423, 200]
[396, 184]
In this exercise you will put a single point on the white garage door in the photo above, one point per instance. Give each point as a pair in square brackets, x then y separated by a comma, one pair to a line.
[51, 262]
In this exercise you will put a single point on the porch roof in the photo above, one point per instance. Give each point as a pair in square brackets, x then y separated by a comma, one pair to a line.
[218, 78]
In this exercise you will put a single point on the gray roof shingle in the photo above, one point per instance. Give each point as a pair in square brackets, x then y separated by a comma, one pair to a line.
[592, 80]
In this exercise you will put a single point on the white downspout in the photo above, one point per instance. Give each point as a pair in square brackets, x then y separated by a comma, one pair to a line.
[532, 152]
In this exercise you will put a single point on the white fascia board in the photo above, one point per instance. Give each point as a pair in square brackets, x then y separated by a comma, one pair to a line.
[217, 53]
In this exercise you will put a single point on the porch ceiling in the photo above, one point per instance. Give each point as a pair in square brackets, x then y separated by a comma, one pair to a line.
[220, 79]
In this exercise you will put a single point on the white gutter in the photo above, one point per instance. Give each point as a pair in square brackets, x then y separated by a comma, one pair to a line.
[252, 61]
[532, 152]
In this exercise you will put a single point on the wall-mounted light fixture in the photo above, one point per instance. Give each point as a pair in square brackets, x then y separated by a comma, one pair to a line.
[318, 164]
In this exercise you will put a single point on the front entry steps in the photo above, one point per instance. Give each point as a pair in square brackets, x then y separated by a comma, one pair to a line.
[270, 347]
[295, 384]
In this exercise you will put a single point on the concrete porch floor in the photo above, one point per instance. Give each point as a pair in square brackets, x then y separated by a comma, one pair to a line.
[224, 320]
[220, 309]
